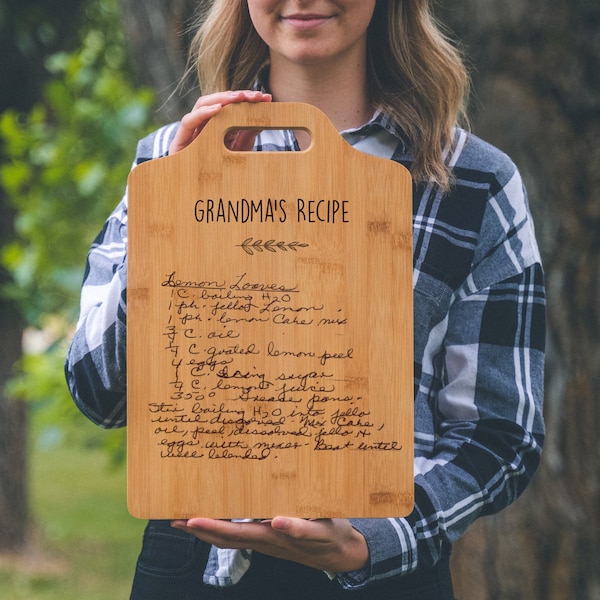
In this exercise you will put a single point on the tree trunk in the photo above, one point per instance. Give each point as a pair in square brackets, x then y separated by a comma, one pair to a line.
[537, 96]
[13, 431]
[157, 33]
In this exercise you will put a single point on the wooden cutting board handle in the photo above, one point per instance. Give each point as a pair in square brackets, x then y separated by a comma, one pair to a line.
[266, 115]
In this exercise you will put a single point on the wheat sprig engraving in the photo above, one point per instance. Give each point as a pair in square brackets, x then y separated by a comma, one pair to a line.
[250, 246]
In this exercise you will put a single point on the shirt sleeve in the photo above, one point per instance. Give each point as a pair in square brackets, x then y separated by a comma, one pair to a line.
[96, 361]
[488, 355]
[96, 366]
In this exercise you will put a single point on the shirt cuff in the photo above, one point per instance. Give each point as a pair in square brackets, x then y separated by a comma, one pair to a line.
[392, 551]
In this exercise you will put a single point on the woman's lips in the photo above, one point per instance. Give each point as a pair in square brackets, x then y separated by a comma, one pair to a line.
[306, 22]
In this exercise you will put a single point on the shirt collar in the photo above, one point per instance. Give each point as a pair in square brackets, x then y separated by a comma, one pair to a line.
[379, 120]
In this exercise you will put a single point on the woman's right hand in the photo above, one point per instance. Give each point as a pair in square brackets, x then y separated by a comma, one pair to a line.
[207, 107]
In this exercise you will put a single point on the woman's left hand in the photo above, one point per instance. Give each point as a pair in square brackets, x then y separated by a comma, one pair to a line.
[326, 544]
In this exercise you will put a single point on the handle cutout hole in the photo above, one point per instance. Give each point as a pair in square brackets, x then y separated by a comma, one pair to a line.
[242, 139]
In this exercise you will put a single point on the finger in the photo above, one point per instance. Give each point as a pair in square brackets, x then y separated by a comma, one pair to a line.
[230, 534]
[232, 97]
[317, 530]
[204, 103]
[207, 107]
[178, 523]
[191, 125]
[241, 140]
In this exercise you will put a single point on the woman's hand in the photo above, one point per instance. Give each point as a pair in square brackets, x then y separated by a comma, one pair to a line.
[326, 544]
[207, 107]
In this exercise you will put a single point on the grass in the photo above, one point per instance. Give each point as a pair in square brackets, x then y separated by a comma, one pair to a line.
[86, 543]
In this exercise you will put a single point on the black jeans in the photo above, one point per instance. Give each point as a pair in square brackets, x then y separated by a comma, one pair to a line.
[171, 565]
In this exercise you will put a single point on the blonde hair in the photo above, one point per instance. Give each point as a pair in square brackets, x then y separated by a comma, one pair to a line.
[416, 74]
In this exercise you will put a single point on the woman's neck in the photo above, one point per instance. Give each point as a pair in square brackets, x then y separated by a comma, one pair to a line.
[341, 94]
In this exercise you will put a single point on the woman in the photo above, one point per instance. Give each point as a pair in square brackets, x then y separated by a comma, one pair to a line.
[394, 87]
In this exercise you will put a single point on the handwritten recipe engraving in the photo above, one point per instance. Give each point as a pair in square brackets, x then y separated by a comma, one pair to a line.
[236, 395]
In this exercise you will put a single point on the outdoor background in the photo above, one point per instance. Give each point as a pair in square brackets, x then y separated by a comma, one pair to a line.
[80, 82]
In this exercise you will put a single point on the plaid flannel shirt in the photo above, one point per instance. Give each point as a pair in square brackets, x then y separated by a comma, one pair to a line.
[479, 325]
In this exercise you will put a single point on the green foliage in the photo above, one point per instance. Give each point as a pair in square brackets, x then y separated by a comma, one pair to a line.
[64, 169]
[55, 417]
[67, 163]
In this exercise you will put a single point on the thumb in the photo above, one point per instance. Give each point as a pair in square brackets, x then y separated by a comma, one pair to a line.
[283, 524]
[241, 140]
[298, 528]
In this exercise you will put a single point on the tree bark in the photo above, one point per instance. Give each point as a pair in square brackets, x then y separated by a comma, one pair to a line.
[537, 96]
[13, 438]
[158, 35]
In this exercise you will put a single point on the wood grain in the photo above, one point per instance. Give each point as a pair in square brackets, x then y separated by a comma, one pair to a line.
[270, 366]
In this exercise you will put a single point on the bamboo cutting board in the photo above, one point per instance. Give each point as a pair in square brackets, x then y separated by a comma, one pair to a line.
[270, 349]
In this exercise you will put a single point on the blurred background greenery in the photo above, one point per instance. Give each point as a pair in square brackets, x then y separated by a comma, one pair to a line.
[84, 543]
[71, 114]
[80, 82]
